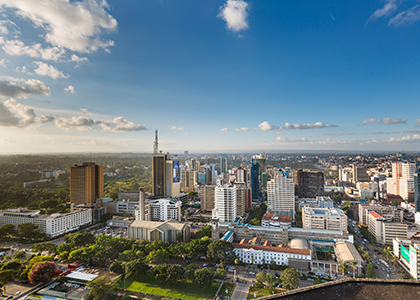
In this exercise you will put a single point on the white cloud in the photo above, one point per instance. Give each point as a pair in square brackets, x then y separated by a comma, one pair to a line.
[78, 59]
[289, 126]
[120, 124]
[79, 123]
[21, 70]
[234, 13]
[176, 128]
[412, 131]
[388, 121]
[265, 126]
[3, 63]
[4, 24]
[242, 129]
[224, 129]
[85, 111]
[70, 89]
[280, 139]
[389, 7]
[13, 114]
[369, 121]
[406, 17]
[18, 48]
[75, 25]
[48, 70]
[407, 138]
[19, 88]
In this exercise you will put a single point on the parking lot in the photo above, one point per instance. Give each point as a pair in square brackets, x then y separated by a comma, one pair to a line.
[112, 231]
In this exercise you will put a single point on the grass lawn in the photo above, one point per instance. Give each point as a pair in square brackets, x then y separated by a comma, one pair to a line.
[147, 284]
[260, 292]
[229, 286]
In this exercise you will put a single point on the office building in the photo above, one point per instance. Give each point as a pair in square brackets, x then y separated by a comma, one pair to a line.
[271, 220]
[86, 183]
[390, 213]
[385, 231]
[308, 184]
[324, 218]
[52, 225]
[160, 210]
[129, 195]
[170, 231]
[261, 160]
[158, 174]
[360, 174]
[281, 194]
[320, 202]
[408, 252]
[241, 176]
[207, 197]
[402, 181]
[255, 181]
[417, 190]
[243, 200]
[225, 203]
[189, 179]
[221, 165]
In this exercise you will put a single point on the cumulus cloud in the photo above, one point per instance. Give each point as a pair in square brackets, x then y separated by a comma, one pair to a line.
[242, 129]
[70, 89]
[234, 13]
[388, 121]
[120, 124]
[265, 126]
[407, 138]
[176, 128]
[78, 59]
[18, 48]
[79, 123]
[389, 7]
[20, 88]
[13, 114]
[369, 121]
[406, 17]
[289, 126]
[5, 25]
[44, 69]
[224, 129]
[75, 25]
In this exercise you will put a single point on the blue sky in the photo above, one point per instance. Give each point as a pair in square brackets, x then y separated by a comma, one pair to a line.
[241, 76]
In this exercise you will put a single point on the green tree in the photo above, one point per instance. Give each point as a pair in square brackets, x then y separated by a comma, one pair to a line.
[161, 273]
[7, 230]
[116, 267]
[136, 268]
[127, 255]
[203, 278]
[221, 250]
[220, 274]
[47, 246]
[5, 277]
[42, 272]
[189, 271]
[81, 239]
[343, 267]
[205, 231]
[19, 255]
[158, 256]
[99, 288]
[260, 278]
[371, 271]
[175, 273]
[353, 265]
[29, 231]
[317, 281]
[64, 256]
[290, 278]
[299, 219]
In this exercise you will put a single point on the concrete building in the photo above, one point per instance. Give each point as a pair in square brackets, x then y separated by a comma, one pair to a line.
[251, 253]
[160, 210]
[207, 197]
[271, 220]
[86, 183]
[308, 184]
[281, 194]
[346, 252]
[129, 195]
[243, 199]
[402, 181]
[241, 176]
[170, 231]
[324, 218]
[53, 225]
[390, 213]
[385, 231]
[360, 174]
[320, 202]
[189, 179]
[225, 203]
[408, 252]
[416, 179]
[158, 174]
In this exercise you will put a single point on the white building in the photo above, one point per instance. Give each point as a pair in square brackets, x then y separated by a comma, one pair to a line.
[320, 201]
[161, 210]
[53, 225]
[408, 252]
[385, 231]
[250, 253]
[391, 213]
[324, 218]
[405, 172]
[225, 203]
[344, 174]
[281, 194]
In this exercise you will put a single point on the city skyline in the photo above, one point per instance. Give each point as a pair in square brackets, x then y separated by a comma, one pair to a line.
[213, 76]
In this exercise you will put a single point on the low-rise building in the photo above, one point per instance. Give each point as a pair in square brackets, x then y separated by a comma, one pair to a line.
[408, 252]
[53, 225]
[324, 218]
[170, 231]
[347, 252]
[320, 202]
[270, 219]
[390, 213]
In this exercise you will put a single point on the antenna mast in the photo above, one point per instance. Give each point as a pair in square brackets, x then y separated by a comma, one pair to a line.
[156, 143]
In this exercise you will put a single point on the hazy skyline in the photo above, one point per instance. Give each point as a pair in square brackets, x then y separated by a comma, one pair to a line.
[211, 76]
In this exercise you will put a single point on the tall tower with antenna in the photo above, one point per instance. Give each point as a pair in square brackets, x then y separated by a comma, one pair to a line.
[156, 143]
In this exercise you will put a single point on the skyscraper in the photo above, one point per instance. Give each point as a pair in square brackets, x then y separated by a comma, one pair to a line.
[225, 203]
[207, 197]
[255, 183]
[158, 174]
[86, 183]
[241, 176]
[402, 180]
[281, 194]
[417, 190]
[308, 184]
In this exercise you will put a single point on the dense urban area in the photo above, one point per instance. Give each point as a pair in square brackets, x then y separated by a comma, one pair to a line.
[200, 226]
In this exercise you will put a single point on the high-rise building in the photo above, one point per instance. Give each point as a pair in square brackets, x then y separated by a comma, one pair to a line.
[221, 165]
[417, 190]
[158, 174]
[225, 203]
[261, 160]
[281, 194]
[86, 183]
[243, 199]
[402, 180]
[308, 184]
[188, 180]
[241, 176]
[359, 174]
[207, 197]
[255, 183]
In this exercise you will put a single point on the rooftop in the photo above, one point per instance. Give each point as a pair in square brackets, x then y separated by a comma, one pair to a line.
[280, 248]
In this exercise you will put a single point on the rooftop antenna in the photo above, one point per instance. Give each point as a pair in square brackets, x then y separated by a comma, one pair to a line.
[156, 143]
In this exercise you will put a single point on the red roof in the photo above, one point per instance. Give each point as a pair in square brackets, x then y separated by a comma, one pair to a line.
[274, 249]
[268, 216]
[375, 214]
